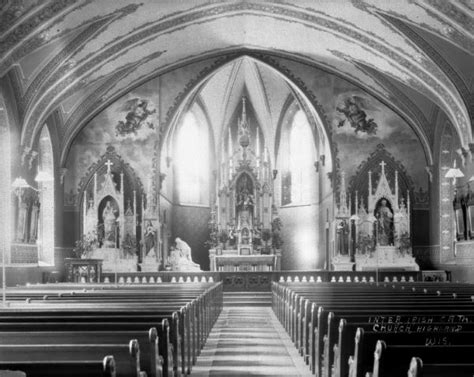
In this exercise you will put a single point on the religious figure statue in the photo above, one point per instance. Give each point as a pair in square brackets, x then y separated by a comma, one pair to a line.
[245, 203]
[129, 246]
[181, 259]
[22, 227]
[34, 219]
[109, 219]
[384, 218]
[342, 231]
[150, 239]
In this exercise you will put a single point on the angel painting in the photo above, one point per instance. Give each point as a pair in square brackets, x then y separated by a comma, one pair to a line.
[357, 117]
[137, 114]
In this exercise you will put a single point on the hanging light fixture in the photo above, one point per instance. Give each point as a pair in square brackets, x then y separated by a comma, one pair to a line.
[454, 173]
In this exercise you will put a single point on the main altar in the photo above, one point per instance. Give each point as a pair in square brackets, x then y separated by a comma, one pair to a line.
[376, 237]
[244, 224]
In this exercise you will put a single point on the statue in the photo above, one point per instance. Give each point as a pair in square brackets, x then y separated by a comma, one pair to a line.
[129, 246]
[181, 259]
[22, 227]
[150, 239]
[342, 230]
[384, 218]
[245, 203]
[109, 219]
[34, 219]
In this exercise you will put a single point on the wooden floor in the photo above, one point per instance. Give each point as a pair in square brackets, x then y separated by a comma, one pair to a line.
[249, 341]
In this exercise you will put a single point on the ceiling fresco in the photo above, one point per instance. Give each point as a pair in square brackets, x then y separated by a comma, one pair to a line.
[77, 56]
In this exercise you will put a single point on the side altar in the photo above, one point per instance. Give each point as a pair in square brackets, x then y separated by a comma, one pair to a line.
[376, 237]
[244, 225]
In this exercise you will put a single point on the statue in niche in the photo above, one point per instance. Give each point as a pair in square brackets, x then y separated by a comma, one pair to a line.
[109, 217]
[34, 219]
[181, 259]
[384, 216]
[21, 234]
[343, 237]
[245, 203]
[129, 246]
[150, 235]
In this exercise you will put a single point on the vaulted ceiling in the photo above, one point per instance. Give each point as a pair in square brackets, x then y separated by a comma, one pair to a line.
[266, 91]
[65, 55]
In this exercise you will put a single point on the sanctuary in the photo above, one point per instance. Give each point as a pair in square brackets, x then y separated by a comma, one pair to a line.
[245, 224]
[218, 137]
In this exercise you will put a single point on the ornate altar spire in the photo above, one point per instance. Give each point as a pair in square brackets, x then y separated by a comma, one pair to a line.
[343, 209]
[244, 134]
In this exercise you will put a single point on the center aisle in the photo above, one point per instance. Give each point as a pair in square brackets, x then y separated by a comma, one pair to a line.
[249, 341]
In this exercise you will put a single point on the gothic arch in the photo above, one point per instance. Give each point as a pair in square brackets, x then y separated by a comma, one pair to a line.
[100, 166]
[358, 182]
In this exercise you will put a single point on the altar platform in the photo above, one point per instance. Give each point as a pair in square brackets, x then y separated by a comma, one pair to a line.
[231, 261]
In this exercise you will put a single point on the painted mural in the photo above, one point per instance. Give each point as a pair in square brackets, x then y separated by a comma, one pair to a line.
[131, 125]
[359, 122]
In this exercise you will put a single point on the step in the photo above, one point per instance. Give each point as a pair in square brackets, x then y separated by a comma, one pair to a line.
[247, 298]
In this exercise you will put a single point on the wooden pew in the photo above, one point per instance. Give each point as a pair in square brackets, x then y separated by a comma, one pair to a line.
[126, 355]
[201, 315]
[169, 339]
[53, 368]
[439, 361]
[150, 361]
[290, 309]
[361, 361]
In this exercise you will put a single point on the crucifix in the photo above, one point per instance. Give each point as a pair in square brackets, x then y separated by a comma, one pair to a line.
[382, 164]
[109, 164]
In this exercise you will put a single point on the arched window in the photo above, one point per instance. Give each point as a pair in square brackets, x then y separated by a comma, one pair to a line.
[301, 159]
[45, 209]
[192, 161]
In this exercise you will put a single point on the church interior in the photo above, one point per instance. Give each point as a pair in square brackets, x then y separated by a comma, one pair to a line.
[244, 146]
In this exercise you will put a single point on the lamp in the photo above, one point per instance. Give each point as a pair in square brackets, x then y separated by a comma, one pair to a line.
[19, 183]
[454, 173]
[43, 176]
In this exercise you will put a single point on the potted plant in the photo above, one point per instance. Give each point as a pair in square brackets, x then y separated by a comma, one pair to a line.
[85, 245]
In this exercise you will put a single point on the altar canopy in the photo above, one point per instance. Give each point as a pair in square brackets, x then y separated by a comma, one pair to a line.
[244, 221]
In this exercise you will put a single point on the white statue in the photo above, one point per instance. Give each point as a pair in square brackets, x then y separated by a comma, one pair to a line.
[181, 259]
[109, 218]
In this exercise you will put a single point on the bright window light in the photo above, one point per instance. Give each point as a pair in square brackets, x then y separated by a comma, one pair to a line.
[301, 158]
[192, 160]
